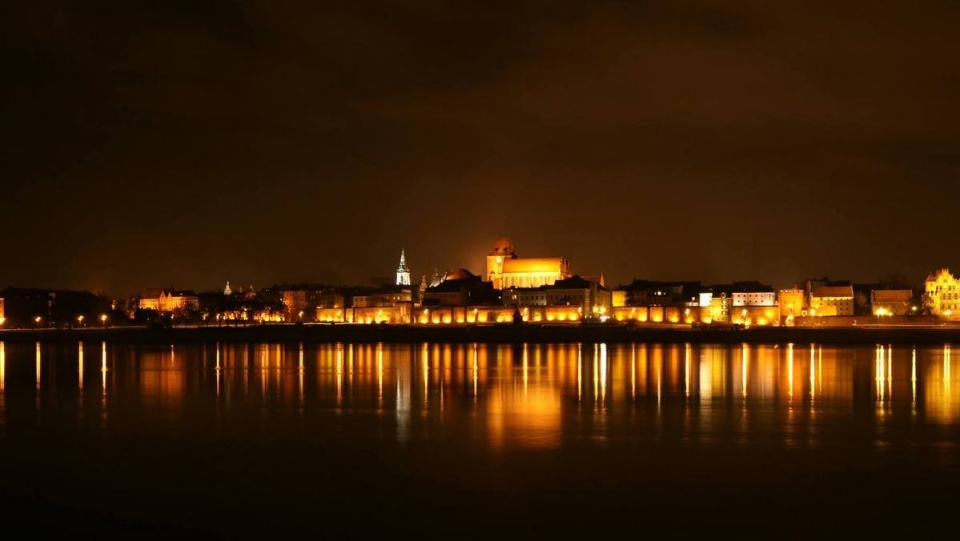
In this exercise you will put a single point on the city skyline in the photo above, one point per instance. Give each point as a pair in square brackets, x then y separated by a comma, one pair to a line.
[415, 274]
[190, 144]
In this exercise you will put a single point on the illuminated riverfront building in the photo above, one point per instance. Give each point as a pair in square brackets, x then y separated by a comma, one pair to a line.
[739, 303]
[752, 294]
[169, 300]
[460, 297]
[300, 299]
[572, 298]
[792, 303]
[655, 293]
[296, 301]
[243, 305]
[828, 301]
[505, 269]
[460, 288]
[892, 302]
[385, 304]
[942, 294]
[386, 296]
[387, 301]
[744, 303]
[658, 302]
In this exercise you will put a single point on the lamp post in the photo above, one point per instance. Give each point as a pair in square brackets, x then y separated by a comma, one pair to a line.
[103, 320]
[80, 320]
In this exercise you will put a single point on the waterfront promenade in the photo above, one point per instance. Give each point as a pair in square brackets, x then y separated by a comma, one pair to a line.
[532, 333]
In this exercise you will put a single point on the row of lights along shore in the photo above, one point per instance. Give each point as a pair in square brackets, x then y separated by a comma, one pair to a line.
[39, 320]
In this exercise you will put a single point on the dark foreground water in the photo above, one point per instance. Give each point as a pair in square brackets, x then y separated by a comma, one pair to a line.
[478, 441]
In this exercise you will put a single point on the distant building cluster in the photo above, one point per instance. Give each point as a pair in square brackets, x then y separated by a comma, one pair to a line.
[545, 290]
[511, 289]
[31, 307]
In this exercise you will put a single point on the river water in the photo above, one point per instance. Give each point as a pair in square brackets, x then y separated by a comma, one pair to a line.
[439, 440]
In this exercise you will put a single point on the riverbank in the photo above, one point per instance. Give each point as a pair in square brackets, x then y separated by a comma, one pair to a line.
[900, 334]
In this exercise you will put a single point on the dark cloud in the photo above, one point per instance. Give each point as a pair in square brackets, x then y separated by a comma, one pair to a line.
[192, 142]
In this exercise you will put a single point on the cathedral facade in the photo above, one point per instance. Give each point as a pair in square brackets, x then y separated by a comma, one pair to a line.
[506, 270]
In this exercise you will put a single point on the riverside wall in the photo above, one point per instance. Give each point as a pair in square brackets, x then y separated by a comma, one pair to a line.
[508, 333]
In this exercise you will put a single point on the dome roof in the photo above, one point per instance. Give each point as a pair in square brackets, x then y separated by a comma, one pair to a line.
[502, 246]
[459, 274]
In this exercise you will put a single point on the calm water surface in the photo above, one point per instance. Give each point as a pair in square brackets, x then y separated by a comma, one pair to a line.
[436, 440]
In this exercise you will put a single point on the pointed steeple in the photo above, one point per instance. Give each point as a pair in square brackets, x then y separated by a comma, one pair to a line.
[227, 291]
[403, 272]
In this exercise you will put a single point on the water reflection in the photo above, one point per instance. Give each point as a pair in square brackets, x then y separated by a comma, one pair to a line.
[37, 379]
[497, 396]
[913, 379]
[941, 402]
[3, 379]
[80, 366]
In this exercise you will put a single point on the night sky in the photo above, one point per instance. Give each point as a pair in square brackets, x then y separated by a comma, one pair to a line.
[191, 142]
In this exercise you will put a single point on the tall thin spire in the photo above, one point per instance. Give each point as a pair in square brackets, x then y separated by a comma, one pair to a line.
[403, 272]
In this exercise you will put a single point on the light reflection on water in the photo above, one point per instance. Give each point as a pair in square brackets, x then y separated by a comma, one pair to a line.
[260, 440]
[499, 397]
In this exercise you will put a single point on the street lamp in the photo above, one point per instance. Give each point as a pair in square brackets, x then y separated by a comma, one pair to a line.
[37, 320]
[80, 320]
[103, 319]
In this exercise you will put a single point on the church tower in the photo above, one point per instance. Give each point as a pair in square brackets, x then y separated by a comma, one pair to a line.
[502, 250]
[403, 272]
